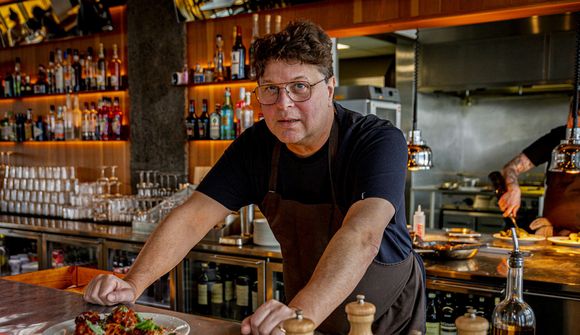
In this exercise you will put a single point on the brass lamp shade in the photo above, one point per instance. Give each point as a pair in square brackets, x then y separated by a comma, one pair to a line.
[420, 156]
[566, 156]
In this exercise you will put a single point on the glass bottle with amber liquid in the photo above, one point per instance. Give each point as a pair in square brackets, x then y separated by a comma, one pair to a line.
[219, 73]
[513, 315]
[115, 70]
[203, 122]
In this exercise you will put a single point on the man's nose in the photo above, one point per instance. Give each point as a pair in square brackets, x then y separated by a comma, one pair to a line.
[284, 99]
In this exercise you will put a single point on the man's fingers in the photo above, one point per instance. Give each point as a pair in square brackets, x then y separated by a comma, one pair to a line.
[246, 328]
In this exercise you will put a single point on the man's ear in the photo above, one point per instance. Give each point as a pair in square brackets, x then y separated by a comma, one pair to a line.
[330, 85]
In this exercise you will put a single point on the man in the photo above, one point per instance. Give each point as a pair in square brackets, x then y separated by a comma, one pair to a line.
[561, 214]
[329, 181]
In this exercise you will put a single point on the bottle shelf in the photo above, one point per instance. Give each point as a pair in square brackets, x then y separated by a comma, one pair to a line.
[40, 96]
[220, 83]
[210, 141]
[77, 142]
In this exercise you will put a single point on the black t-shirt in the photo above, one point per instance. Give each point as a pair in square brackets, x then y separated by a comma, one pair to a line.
[371, 161]
[540, 151]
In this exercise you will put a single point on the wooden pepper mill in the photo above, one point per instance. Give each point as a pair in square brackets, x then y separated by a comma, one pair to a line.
[470, 324]
[298, 325]
[361, 315]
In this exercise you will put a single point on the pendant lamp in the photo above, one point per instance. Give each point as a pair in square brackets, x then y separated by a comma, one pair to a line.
[420, 156]
[566, 156]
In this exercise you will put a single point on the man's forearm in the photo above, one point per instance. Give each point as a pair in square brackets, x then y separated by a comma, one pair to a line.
[341, 267]
[172, 240]
[520, 164]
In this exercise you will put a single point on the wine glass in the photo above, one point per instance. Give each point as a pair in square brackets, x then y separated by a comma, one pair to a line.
[114, 181]
[103, 181]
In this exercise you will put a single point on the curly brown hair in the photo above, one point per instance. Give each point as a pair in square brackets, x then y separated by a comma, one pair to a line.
[301, 41]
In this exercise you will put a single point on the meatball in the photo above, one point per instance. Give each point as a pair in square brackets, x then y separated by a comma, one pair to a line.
[123, 316]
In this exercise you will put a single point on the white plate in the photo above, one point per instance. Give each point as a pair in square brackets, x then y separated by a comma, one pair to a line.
[563, 240]
[523, 240]
[166, 321]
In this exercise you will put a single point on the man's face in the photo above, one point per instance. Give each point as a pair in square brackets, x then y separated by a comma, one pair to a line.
[303, 126]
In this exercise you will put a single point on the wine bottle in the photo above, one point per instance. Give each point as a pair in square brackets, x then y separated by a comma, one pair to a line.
[433, 322]
[238, 56]
[513, 315]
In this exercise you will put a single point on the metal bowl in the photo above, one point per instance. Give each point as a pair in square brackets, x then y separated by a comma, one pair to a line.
[450, 250]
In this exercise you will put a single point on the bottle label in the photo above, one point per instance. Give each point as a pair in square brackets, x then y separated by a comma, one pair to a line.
[229, 290]
[114, 80]
[242, 295]
[254, 301]
[202, 294]
[433, 328]
[235, 64]
[217, 293]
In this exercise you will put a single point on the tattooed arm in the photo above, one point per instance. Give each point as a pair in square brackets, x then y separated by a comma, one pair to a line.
[509, 203]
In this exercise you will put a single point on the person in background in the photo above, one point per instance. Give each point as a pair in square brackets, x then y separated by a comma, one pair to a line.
[331, 185]
[561, 215]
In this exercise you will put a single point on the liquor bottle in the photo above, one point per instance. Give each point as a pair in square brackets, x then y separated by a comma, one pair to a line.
[116, 120]
[4, 129]
[267, 23]
[433, 322]
[19, 128]
[219, 73]
[191, 123]
[51, 124]
[247, 119]
[255, 36]
[208, 73]
[482, 308]
[198, 76]
[203, 291]
[42, 85]
[277, 24]
[27, 91]
[40, 130]
[215, 123]
[67, 110]
[77, 118]
[8, 84]
[448, 315]
[17, 76]
[77, 70]
[86, 124]
[94, 124]
[217, 290]
[59, 125]
[101, 74]
[66, 71]
[103, 117]
[203, 122]
[115, 70]
[28, 126]
[243, 308]
[254, 296]
[58, 73]
[238, 111]
[228, 291]
[50, 74]
[513, 315]
[90, 69]
[238, 56]
[227, 114]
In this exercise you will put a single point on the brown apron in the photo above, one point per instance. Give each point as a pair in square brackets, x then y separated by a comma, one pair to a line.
[304, 231]
[562, 203]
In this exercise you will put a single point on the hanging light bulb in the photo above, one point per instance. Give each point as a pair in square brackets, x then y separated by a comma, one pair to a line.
[566, 156]
[420, 156]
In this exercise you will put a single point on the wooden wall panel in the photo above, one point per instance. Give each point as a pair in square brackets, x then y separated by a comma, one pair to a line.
[204, 153]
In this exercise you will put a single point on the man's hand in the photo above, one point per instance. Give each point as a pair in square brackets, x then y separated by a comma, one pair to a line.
[542, 227]
[109, 290]
[267, 319]
[510, 201]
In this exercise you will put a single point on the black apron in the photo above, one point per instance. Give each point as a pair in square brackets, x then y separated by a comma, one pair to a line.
[304, 230]
[562, 202]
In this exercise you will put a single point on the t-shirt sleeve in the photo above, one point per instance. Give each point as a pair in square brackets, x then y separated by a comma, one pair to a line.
[540, 151]
[232, 180]
[381, 166]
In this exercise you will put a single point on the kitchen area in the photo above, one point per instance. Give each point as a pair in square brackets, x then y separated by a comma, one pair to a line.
[491, 79]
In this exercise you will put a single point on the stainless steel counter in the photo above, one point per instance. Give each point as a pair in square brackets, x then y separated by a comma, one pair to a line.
[28, 309]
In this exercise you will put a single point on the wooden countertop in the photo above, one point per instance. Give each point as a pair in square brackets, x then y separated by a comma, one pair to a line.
[29, 309]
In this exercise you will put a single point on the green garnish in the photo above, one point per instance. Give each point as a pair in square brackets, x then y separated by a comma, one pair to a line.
[95, 328]
[147, 324]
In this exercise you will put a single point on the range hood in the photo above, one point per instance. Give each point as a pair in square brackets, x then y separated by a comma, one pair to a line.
[532, 55]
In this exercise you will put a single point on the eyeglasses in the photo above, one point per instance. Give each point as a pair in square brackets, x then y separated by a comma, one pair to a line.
[298, 91]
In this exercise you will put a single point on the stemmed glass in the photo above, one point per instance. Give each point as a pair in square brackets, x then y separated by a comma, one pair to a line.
[104, 181]
[114, 181]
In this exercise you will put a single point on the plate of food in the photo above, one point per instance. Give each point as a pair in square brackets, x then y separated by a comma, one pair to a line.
[572, 240]
[122, 320]
[523, 236]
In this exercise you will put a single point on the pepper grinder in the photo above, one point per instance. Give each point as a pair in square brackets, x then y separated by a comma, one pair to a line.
[361, 315]
[298, 325]
[470, 324]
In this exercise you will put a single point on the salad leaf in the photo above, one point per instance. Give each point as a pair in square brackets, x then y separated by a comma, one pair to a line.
[95, 328]
[147, 324]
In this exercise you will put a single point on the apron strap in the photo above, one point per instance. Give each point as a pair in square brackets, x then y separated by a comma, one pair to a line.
[274, 168]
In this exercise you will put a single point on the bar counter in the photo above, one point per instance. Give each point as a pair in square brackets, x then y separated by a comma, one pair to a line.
[547, 268]
[29, 309]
